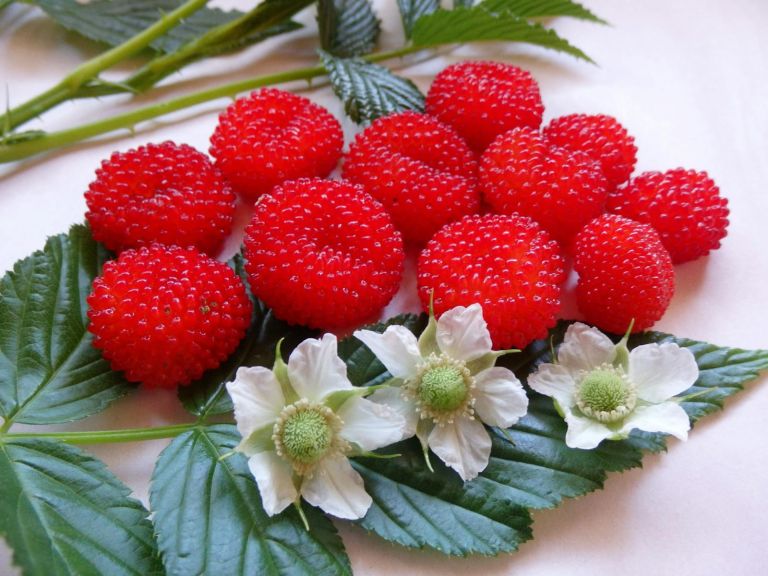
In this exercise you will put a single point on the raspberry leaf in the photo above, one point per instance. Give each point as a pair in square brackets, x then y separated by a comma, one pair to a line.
[542, 9]
[64, 513]
[412, 10]
[476, 24]
[369, 91]
[49, 371]
[536, 470]
[208, 396]
[209, 520]
[347, 27]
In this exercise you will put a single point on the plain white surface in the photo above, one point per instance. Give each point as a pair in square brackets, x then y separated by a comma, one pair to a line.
[688, 79]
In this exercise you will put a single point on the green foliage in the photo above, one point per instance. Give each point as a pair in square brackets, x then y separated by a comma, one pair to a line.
[64, 513]
[542, 9]
[49, 370]
[209, 519]
[476, 24]
[412, 10]
[347, 27]
[369, 91]
[536, 470]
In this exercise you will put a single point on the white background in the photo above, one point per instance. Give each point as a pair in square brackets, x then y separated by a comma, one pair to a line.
[688, 78]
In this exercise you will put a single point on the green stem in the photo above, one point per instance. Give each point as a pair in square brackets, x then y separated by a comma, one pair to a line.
[11, 151]
[106, 436]
[70, 84]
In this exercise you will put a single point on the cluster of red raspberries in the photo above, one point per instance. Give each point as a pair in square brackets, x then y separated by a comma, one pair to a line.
[494, 202]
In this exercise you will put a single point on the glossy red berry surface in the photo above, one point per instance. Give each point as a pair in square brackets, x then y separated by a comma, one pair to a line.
[625, 273]
[506, 263]
[323, 254]
[600, 137]
[272, 136]
[166, 193]
[684, 206]
[164, 315]
[482, 99]
[420, 169]
[562, 190]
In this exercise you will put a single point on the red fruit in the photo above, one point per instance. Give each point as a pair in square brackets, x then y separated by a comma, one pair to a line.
[625, 273]
[599, 136]
[484, 99]
[164, 315]
[559, 189]
[322, 253]
[167, 193]
[272, 136]
[684, 206]
[506, 263]
[421, 170]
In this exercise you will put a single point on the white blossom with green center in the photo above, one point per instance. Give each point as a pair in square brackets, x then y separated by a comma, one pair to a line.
[446, 385]
[299, 424]
[604, 391]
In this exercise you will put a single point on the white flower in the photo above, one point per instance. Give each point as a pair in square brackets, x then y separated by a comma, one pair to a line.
[300, 422]
[605, 391]
[443, 380]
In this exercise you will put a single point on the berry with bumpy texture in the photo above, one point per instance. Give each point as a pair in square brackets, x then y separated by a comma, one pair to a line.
[167, 193]
[561, 190]
[625, 273]
[272, 136]
[164, 315]
[507, 263]
[420, 169]
[600, 137]
[482, 99]
[684, 206]
[323, 254]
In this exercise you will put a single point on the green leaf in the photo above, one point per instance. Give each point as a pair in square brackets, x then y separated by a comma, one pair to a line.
[208, 396]
[412, 10]
[49, 370]
[209, 519]
[369, 91]
[491, 514]
[347, 27]
[542, 9]
[64, 513]
[462, 25]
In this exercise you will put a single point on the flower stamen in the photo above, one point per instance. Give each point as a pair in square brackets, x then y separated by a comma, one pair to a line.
[442, 389]
[605, 394]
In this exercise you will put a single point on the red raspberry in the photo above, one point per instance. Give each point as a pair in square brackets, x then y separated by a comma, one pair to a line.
[484, 99]
[323, 253]
[164, 315]
[167, 193]
[602, 138]
[625, 273]
[272, 136]
[559, 189]
[684, 206]
[506, 263]
[420, 169]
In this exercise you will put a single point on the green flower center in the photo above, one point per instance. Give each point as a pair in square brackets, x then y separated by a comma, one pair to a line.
[305, 433]
[606, 394]
[443, 388]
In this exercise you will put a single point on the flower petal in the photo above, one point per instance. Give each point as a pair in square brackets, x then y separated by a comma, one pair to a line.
[585, 433]
[463, 334]
[370, 425]
[315, 369]
[464, 446]
[555, 381]
[661, 371]
[337, 488]
[667, 417]
[393, 398]
[500, 399]
[274, 479]
[257, 397]
[585, 348]
[396, 348]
